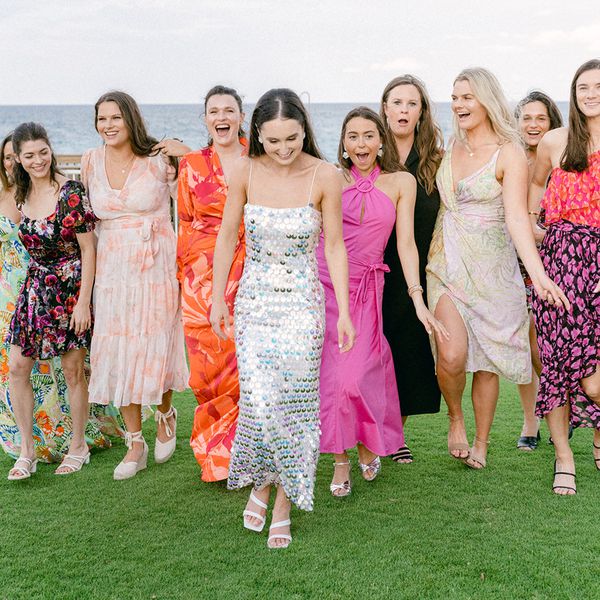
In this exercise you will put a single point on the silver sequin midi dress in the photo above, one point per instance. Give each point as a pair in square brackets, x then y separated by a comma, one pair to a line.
[279, 328]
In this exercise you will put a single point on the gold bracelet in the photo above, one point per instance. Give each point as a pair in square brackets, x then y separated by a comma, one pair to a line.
[532, 212]
[414, 288]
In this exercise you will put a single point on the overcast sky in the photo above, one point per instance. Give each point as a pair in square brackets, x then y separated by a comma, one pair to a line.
[173, 51]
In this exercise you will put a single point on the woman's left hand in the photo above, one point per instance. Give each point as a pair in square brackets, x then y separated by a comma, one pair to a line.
[172, 147]
[597, 288]
[430, 323]
[81, 318]
[548, 291]
[346, 333]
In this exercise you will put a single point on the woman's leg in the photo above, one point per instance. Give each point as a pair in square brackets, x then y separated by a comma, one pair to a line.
[558, 423]
[21, 397]
[528, 391]
[132, 415]
[591, 386]
[341, 473]
[486, 387]
[451, 362]
[281, 512]
[165, 407]
[73, 369]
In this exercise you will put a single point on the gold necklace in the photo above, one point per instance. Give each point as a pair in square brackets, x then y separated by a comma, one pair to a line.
[471, 152]
[124, 169]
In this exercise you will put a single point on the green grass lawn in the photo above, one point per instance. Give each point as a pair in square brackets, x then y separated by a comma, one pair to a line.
[433, 529]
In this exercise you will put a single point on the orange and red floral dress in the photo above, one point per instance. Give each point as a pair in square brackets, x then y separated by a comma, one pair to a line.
[202, 193]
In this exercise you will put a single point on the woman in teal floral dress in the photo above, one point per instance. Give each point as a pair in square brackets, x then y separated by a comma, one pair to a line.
[45, 325]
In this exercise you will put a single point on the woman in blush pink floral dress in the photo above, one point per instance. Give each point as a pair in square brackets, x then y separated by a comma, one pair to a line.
[137, 354]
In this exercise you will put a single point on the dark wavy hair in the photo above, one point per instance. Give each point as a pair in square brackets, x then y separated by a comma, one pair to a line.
[5, 181]
[30, 132]
[281, 103]
[142, 143]
[429, 141]
[221, 90]
[539, 96]
[575, 155]
[389, 161]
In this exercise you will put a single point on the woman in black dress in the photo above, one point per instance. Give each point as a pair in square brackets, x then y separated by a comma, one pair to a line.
[406, 111]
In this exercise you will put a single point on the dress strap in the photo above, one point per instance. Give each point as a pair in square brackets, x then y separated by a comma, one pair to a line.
[312, 183]
[249, 182]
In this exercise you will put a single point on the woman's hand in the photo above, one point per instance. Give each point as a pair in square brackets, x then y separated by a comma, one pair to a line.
[81, 318]
[548, 291]
[346, 333]
[220, 319]
[430, 323]
[172, 147]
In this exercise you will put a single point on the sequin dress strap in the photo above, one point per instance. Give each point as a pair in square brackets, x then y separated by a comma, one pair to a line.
[249, 182]
[312, 184]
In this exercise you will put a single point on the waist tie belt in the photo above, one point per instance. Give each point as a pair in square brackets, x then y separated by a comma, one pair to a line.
[362, 294]
[146, 228]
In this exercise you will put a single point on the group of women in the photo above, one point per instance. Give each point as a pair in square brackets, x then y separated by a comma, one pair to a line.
[320, 306]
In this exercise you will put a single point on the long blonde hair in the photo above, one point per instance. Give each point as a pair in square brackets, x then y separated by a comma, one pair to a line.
[487, 89]
[429, 142]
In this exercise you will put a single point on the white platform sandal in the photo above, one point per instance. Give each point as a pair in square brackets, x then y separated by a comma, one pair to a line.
[126, 470]
[164, 450]
[250, 513]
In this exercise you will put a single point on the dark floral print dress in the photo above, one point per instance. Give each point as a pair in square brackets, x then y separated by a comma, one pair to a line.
[40, 324]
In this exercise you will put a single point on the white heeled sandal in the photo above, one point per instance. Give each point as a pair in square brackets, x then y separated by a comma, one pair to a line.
[164, 450]
[279, 536]
[374, 466]
[250, 513]
[344, 489]
[126, 470]
[18, 472]
[76, 465]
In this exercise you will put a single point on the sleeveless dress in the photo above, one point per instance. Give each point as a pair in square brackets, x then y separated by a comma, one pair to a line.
[473, 261]
[138, 351]
[359, 396]
[569, 341]
[52, 427]
[413, 362]
[201, 196]
[279, 324]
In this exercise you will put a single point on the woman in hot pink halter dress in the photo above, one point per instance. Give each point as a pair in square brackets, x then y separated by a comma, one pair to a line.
[359, 396]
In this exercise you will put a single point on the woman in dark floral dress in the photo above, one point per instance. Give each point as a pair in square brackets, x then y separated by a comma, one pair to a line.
[53, 309]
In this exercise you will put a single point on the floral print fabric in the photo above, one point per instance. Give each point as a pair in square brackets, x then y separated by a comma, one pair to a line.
[40, 324]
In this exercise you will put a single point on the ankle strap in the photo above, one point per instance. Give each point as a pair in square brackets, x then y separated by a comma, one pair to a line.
[455, 418]
[342, 464]
[482, 441]
[161, 417]
[136, 436]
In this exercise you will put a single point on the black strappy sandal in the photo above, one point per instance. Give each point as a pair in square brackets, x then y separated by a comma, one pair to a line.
[596, 460]
[563, 487]
[402, 456]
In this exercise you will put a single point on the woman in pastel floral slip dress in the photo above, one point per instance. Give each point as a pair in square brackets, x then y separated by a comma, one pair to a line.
[138, 352]
[283, 191]
[473, 281]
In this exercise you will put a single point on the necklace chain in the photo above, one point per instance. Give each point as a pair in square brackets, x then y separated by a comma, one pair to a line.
[127, 164]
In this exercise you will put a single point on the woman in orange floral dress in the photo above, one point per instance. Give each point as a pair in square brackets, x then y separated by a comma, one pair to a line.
[201, 198]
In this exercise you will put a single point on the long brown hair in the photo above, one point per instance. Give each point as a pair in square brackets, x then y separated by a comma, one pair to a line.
[281, 103]
[429, 141]
[389, 161]
[4, 177]
[142, 143]
[30, 132]
[575, 155]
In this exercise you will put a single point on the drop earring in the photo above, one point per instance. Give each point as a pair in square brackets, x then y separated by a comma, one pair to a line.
[345, 155]
[380, 151]
[260, 140]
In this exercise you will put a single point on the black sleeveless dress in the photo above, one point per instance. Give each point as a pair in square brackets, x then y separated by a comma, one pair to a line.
[413, 362]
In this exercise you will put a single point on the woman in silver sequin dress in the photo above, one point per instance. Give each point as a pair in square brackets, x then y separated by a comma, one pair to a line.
[284, 191]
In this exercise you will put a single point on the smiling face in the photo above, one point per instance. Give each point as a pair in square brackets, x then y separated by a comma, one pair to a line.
[36, 158]
[403, 109]
[469, 112]
[110, 124]
[8, 158]
[534, 122]
[587, 93]
[223, 119]
[282, 140]
[362, 142]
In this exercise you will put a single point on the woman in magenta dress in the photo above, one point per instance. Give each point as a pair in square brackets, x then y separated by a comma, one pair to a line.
[359, 396]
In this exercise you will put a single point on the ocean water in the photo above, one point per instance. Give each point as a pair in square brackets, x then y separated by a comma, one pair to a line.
[71, 128]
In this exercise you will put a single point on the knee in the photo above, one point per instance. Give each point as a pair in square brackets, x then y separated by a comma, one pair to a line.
[74, 373]
[451, 362]
[19, 369]
[591, 387]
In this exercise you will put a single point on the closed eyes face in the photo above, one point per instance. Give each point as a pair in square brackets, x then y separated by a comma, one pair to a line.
[403, 109]
[534, 122]
[35, 157]
[282, 139]
[9, 157]
[223, 118]
[111, 125]
[468, 111]
[362, 141]
[587, 93]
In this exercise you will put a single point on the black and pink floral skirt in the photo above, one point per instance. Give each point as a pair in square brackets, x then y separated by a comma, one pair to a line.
[568, 342]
